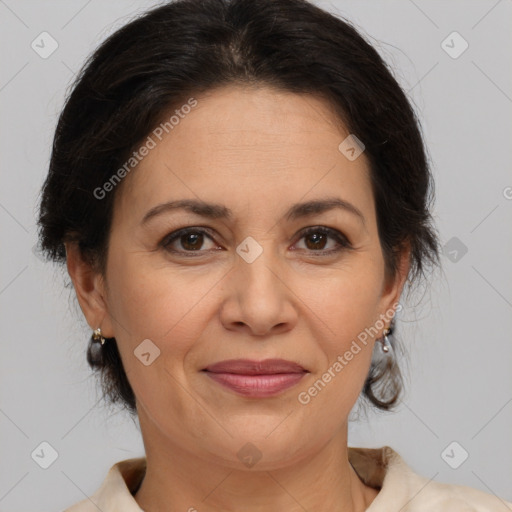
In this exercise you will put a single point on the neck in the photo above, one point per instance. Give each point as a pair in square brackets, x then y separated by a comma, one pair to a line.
[177, 479]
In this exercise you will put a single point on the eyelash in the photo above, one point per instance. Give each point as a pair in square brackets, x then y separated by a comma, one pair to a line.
[343, 242]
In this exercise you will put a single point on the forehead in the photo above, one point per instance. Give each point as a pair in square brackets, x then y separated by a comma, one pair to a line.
[244, 144]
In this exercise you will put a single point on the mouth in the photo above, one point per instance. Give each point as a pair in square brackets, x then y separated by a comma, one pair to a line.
[256, 379]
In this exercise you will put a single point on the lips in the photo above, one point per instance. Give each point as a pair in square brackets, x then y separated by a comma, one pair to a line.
[256, 379]
[249, 367]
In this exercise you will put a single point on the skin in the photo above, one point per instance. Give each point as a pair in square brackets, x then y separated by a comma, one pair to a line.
[256, 151]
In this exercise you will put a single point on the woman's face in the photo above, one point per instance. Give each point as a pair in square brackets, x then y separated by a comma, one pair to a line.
[248, 285]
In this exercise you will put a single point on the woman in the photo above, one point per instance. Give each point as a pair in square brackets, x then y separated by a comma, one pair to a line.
[239, 190]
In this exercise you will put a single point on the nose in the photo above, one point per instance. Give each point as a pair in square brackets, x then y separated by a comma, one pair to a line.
[258, 300]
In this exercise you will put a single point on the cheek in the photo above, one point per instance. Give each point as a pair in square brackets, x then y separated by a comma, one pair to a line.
[162, 304]
[345, 304]
[171, 309]
[346, 309]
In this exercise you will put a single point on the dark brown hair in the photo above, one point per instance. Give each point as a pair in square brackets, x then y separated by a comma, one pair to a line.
[183, 48]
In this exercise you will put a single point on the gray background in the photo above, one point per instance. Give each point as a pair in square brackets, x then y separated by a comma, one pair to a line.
[459, 371]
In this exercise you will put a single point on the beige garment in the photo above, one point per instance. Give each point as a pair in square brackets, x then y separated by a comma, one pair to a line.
[401, 490]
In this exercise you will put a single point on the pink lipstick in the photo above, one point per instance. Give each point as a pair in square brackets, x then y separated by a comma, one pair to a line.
[256, 379]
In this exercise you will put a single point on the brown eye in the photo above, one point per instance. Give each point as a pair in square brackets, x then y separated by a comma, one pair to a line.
[191, 241]
[186, 241]
[317, 239]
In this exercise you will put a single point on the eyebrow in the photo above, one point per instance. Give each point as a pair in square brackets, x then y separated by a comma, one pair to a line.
[218, 211]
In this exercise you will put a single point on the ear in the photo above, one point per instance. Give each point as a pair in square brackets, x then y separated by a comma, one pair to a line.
[393, 285]
[90, 290]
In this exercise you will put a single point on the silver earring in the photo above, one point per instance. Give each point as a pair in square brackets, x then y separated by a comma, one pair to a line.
[385, 342]
[97, 337]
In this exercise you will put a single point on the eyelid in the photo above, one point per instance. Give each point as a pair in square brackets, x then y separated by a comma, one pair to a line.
[170, 237]
[342, 240]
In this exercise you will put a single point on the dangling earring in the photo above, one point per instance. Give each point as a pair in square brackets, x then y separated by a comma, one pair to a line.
[97, 337]
[385, 342]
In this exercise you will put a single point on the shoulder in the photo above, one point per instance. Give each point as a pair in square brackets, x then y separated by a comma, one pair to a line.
[459, 498]
[115, 491]
[403, 489]
[427, 494]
